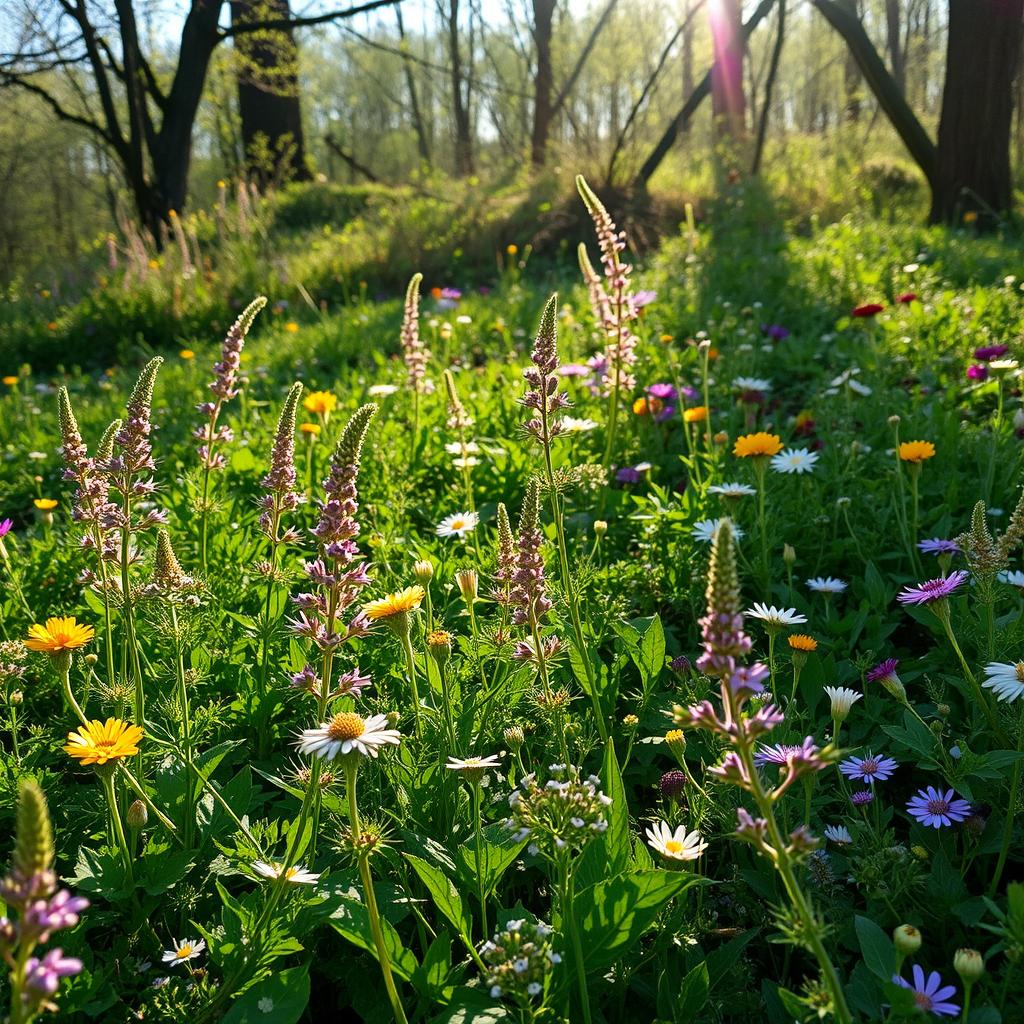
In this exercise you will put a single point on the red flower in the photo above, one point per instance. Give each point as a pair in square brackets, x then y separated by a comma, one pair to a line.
[871, 309]
[907, 297]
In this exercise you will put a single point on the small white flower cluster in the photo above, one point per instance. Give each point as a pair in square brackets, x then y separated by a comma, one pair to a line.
[518, 960]
[564, 813]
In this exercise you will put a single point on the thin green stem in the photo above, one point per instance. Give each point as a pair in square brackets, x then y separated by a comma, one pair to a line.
[107, 780]
[478, 858]
[570, 931]
[410, 662]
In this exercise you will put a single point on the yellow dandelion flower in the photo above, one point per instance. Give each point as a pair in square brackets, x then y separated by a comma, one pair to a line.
[310, 428]
[698, 414]
[395, 604]
[916, 451]
[10, 381]
[803, 642]
[512, 249]
[759, 444]
[59, 634]
[154, 264]
[187, 353]
[666, 339]
[99, 742]
[45, 504]
[292, 327]
[320, 402]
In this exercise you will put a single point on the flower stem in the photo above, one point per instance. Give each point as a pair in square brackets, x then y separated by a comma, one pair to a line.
[569, 930]
[351, 773]
[410, 661]
[107, 780]
[478, 858]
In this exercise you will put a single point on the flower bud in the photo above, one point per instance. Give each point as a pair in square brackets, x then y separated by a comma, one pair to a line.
[514, 738]
[894, 420]
[91, 659]
[969, 964]
[907, 939]
[680, 665]
[676, 743]
[600, 528]
[788, 554]
[423, 571]
[467, 581]
[439, 645]
[673, 784]
[16, 698]
[630, 721]
[393, 719]
[943, 710]
[137, 816]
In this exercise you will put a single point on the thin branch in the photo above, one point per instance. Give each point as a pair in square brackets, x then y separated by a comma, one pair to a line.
[7, 79]
[285, 24]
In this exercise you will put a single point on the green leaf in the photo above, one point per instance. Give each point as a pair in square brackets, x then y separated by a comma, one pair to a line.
[351, 920]
[876, 948]
[609, 853]
[431, 975]
[444, 894]
[472, 1006]
[498, 850]
[649, 657]
[280, 998]
[614, 914]
[693, 994]
[722, 960]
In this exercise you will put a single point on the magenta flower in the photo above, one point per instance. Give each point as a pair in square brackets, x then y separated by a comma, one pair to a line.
[868, 769]
[930, 994]
[977, 371]
[665, 392]
[937, 809]
[5, 527]
[933, 590]
[43, 976]
[643, 298]
[987, 352]
[937, 546]
[573, 370]
[883, 670]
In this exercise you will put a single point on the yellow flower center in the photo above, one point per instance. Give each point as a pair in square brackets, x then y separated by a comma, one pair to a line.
[458, 524]
[346, 726]
[1019, 669]
[184, 951]
[673, 846]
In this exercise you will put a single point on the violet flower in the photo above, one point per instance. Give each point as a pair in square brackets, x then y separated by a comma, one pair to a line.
[930, 995]
[933, 590]
[931, 806]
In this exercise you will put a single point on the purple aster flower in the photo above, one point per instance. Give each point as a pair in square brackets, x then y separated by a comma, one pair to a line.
[628, 475]
[798, 756]
[869, 768]
[987, 352]
[666, 413]
[5, 527]
[451, 293]
[933, 590]
[775, 331]
[932, 807]
[883, 670]
[643, 298]
[937, 546]
[977, 371]
[666, 392]
[864, 796]
[929, 993]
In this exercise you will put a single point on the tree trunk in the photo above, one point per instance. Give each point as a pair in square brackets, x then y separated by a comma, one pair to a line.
[727, 102]
[769, 85]
[973, 164]
[687, 49]
[460, 104]
[897, 58]
[268, 95]
[543, 80]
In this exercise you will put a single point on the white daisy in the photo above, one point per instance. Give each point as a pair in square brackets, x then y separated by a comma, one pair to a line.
[732, 490]
[751, 384]
[1014, 577]
[773, 616]
[466, 463]
[382, 390]
[574, 425]
[347, 732]
[296, 873]
[457, 525]
[857, 388]
[184, 949]
[678, 845]
[705, 530]
[843, 699]
[1005, 681]
[826, 585]
[1003, 365]
[794, 460]
[474, 768]
[838, 834]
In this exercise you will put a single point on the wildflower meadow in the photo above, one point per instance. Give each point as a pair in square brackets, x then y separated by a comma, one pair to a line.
[621, 643]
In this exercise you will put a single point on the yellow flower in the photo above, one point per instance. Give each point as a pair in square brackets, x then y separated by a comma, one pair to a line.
[395, 604]
[58, 635]
[154, 264]
[712, 352]
[45, 504]
[970, 216]
[320, 402]
[310, 428]
[10, 381]
[666, 339]
[52, 325]
[99, 742]
[221, 183]
[292, 327]
[916, 451]
[512, 249]
[643, 406]
[697, 414]
[759, 444]
[187, 353]
[802, 642]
